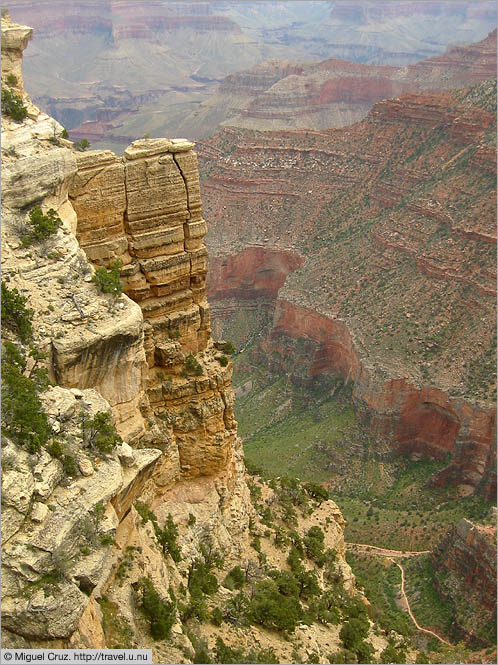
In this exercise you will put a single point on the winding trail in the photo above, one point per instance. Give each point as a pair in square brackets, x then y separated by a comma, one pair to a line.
[390, 554]
[424, 630]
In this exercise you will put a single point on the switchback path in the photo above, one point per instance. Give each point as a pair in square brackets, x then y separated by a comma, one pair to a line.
[382, 551]
[390, 554]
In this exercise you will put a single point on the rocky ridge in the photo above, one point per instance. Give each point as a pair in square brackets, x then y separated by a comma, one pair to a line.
[119, 93]
[77, 530]
[397, 248]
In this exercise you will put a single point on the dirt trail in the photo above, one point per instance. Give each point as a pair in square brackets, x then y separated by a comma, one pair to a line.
[424, 630]
[381, 551]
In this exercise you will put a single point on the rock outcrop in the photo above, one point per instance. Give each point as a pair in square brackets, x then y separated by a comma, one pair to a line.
[465, 573]
[383, 236]
[87, 523]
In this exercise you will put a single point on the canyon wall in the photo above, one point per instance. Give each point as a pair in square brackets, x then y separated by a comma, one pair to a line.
[465, 568]
[154, 67]
[76, 541]
[392, 221]
[277, 95]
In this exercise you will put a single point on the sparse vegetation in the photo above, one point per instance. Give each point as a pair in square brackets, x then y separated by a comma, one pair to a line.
[15, 315]
[40, 226]
[13, 106]
[99, 434]
[108, 280]
[23, 417]
[192, 365]
[82, 145]
[159, 612]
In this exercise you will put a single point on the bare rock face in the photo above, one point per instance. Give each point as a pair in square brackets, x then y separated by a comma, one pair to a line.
[465, 567]
[145, 210]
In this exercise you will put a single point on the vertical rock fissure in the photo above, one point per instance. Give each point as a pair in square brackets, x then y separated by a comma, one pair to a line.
[185, 183]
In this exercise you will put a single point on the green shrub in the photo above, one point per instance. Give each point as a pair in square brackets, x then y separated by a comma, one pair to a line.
[55, 449]
[201, 654]
[192, 365]
[15, 315]
[227, 654]
[393, 655]
[272, 609]
[316, 491]
[108, 281]
[11, 80]
[12, 105]
[216, 616]
[145, 513]
[353, 632]
[40, 226]
[100, 434]
[313, 542]
[166, 537]
[69, 465]
[201, 580]
[235, 578]
[23, 417]
[82, 145]
[227, 347]
[106, 540]
[160, 613]
[64, 134]
[223, 360]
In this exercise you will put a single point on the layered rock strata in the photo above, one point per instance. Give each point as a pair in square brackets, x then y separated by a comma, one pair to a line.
[333, 93]
[397, 280]
[465, 573]
[112, 357]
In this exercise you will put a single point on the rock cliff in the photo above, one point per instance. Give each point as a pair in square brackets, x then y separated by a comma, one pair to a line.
[169, 495]
[465, 567]
[392, 224]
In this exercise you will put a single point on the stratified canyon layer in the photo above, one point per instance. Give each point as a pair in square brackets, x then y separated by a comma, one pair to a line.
[465, 567]
[284, 95]
[74, 546]
[392, 224]
[117, 70]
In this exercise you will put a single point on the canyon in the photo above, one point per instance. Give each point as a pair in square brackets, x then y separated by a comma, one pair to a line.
[114, 71]
[84, 523]
[393, 249]
[360, 258]
[466, 554]
[277, 95]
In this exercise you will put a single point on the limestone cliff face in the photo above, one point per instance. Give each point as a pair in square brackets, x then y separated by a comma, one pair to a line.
[465, 567]
[146, 358]
[144, 209]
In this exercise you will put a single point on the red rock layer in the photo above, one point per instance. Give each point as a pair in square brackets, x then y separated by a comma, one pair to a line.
[255, 272]
[336, 92]
[397, 292]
